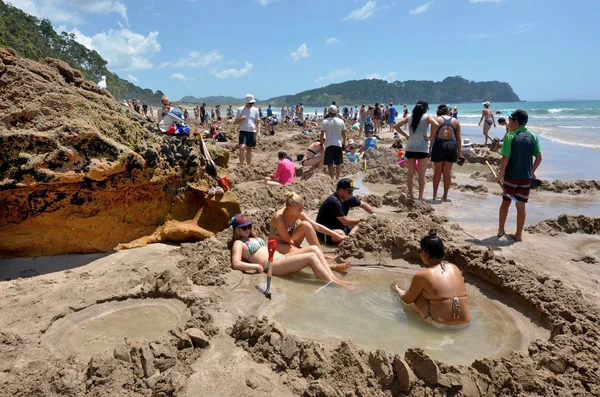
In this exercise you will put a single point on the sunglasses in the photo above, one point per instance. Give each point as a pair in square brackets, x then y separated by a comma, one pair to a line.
[244, 228]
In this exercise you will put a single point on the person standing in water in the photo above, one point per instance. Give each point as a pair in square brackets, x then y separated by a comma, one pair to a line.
[517, 169]
[333, 138]
[417, 145]
[438, 292]
[488, 115]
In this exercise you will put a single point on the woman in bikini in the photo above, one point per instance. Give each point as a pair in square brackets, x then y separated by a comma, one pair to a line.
[250, 254]
[438, 292]
[445, 150]
[489, 120]
[314, 155]
[290, 225]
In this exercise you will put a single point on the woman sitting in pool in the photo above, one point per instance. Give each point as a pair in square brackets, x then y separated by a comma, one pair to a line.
[250, 254]
[438, 292]
[290, 225]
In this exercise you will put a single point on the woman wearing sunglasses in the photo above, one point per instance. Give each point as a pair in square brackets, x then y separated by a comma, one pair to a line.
[250, 254]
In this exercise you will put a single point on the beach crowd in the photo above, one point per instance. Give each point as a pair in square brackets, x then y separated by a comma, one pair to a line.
[423, 141]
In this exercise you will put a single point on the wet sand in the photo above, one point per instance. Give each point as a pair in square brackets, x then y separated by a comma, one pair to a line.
[220, 339]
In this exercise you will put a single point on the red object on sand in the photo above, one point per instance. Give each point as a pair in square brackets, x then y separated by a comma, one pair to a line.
[171, 131]
[224, 183]
[272, 246]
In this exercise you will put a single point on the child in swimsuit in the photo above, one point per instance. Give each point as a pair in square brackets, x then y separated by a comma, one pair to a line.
[250, 254]
[438, 292]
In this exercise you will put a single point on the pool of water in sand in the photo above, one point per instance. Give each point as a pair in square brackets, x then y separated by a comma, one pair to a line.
[101, 327]
[374, 318]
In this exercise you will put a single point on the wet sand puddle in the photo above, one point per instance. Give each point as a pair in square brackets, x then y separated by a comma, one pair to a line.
[590, 247]
[374, 318]
[101, 327]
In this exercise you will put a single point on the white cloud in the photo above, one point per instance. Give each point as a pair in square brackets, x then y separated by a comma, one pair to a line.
[122, 49]
[196, 59]
[264, 2]
[179, 76]
[335, 75]
[480, 36]
[391, 76]
[132, 78]
[301, 52]
[69, 11]
[486, 1]
[233, 73]
[364, 12]
[421, 9]
[332, 40]
[521, 28]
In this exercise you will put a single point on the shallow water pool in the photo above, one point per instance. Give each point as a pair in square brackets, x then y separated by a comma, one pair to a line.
[374, 318]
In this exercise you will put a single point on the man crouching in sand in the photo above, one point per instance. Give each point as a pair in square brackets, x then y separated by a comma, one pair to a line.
[333, 213]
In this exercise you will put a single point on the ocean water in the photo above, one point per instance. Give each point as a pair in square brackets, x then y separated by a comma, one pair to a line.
[569, 132]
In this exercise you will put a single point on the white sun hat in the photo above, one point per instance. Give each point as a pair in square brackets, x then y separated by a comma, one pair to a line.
[250, 98]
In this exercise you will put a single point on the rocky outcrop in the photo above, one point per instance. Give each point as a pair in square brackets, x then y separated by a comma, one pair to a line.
[81, 173]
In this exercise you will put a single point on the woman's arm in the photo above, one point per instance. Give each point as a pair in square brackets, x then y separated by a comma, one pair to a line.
[458, 140]
[238, 264]
[282, 231]
[415, 289]
[398, 125]
[317, 226]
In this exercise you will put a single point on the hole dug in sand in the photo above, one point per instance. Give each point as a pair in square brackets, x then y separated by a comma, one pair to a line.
[101, 327]
[374, 318]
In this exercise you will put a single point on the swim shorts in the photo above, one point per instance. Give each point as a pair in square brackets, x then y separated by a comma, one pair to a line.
[415, 155]
[248, 138]
[519, 188]
[444, 150]
[333, 155]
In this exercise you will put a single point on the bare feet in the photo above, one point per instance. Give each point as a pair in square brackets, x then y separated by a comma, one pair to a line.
[515, 237]
[341, 267]
[436, 198]
[500, 233]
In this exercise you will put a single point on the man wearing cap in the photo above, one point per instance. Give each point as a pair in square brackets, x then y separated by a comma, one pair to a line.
[333, 213]
[248, 118]
[333, 139]
[517, 168]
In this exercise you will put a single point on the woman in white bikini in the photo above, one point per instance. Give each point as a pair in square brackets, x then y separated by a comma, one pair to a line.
[438, 292]
[250, 254]
[488, 115]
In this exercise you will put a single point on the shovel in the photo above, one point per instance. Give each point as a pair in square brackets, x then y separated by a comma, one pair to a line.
[272, 245]
[499, 183]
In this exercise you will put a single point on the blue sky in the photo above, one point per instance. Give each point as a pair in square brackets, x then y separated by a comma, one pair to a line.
[544, 49]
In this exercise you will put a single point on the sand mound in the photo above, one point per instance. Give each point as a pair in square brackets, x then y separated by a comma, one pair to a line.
[479, 189]
[567, 224]
[572, 187]
[75, 160]
[480, 155]
[392, 174]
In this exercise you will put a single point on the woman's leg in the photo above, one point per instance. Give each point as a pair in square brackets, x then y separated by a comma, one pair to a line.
[486, 128]
[447, 170]
[294, 263]
[306, 231]
[437, 176]
[410, 166]
[317, 251]
[421, 171]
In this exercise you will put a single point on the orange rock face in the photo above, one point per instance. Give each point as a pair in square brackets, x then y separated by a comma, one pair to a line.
[79, 173]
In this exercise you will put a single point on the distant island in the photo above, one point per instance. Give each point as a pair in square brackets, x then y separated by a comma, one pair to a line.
[353, 92]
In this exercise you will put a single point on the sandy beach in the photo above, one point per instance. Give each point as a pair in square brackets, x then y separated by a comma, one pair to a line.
[171, 318]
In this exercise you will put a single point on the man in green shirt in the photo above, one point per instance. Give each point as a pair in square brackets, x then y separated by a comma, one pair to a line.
[517, 168]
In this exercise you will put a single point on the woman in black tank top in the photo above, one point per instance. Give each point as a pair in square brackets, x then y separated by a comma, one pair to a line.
[445, 146]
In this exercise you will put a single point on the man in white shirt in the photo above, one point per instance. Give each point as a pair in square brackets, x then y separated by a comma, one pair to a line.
[248, 119]
[333, 138]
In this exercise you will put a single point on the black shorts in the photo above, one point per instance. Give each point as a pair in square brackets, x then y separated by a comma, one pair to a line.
[333, 155]
[415, 155]
[248, 138]
[444, 150]
[325, 238]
